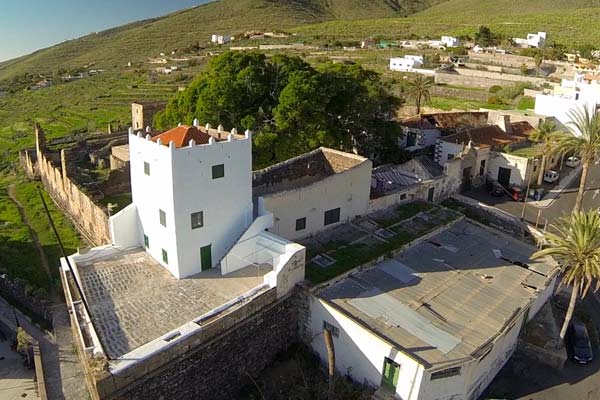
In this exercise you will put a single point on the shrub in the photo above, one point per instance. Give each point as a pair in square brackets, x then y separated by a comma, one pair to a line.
[495, 89]
[496, 100]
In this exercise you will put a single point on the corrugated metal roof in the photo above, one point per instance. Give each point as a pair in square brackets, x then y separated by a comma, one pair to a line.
[460, 288]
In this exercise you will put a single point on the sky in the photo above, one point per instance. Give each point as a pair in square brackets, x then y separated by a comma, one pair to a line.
[29, 25]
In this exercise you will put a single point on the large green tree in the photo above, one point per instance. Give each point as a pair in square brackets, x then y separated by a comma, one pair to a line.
[291, 106]
[547, 136]
[574, 242]
[585, 144]
[418, 89]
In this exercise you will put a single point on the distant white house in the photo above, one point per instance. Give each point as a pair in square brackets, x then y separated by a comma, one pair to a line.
[409, 63]
[220, 39]
[536, 40]
[450, 41]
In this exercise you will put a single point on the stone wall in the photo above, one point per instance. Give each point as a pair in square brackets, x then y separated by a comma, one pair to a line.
[13, 290]
[459, 93]
[482, 79]
[90, 219]
[219, 368]
[509, 60]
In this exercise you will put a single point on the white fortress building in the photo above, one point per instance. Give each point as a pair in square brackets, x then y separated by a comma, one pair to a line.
[190, 255]
[536, 40]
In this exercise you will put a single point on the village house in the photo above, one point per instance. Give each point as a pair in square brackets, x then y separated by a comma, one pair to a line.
[581, 92]
[314, 191]
[535, 40]
[436, 320]
[220, 39]
[421, 131]
[500, 152]
[408, 63]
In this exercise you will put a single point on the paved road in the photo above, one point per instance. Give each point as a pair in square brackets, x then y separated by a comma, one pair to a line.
[564, 203]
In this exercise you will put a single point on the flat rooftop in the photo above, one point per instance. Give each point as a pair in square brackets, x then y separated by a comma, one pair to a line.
[303, 170]
[445, 298]
[134, 300]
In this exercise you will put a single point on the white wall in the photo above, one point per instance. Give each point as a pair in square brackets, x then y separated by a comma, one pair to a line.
[517, 165]
[361, 354]
[180, 183]
[443, 149]
[348, 190]
[125, 228]
[560, 108]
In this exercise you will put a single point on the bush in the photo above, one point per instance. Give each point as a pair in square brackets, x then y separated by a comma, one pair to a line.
[497, 100]
[495, 89]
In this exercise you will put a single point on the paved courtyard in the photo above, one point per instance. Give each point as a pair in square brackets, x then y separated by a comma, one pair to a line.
[134, 300]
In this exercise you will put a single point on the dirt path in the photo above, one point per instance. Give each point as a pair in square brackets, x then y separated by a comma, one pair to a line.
[32, 233]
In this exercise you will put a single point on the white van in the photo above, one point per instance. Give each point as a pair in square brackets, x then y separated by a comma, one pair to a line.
[551, 176]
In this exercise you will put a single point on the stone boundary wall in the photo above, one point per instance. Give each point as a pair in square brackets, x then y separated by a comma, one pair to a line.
[89, 218]
[509, 60]
[220, 368]
[13, 290]
[482, 79]
[459, 93]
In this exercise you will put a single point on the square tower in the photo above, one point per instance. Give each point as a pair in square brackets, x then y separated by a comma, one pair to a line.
[192, 192]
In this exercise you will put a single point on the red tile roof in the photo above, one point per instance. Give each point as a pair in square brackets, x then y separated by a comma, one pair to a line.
[182, 135]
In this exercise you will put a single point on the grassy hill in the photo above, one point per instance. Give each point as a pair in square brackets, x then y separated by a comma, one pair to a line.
[137, 41]
[569, 22]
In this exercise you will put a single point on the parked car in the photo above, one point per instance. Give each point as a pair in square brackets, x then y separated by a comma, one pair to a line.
[551, 176]
[577, 342]
[572, 162]
[497, 190]
[516, 193]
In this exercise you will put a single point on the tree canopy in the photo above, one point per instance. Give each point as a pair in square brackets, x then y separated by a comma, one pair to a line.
[291, 106]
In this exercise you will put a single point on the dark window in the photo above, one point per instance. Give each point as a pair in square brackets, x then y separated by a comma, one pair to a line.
[482, 168]
[403, 196]
[162, 217]
[300, 224]
[445, 373]
[450, 156]
[331, 328]
[146, 168]
[218, 171]
[146, 241]
[165, 256]
[197, 220]
[332, 216]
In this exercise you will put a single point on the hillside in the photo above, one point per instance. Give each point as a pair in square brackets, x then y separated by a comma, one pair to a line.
[570, 22]
[139, 40]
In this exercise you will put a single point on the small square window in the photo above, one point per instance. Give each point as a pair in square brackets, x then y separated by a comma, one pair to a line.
[163, 217]
[332, 216]
[403, 196]
[146, 168]
[146, 242]
[165, 256]
[331, 328]
[218, 171]
[300, 224]
[197, 219]
[450, 156]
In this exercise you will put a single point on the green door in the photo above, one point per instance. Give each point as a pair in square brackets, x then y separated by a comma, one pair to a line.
[205, 258]
[391, 371]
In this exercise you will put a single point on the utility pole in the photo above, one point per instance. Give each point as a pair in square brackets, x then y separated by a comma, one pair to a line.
[527, 192]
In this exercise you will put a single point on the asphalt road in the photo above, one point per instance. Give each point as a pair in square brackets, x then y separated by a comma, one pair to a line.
[561, 205]
[524, 379]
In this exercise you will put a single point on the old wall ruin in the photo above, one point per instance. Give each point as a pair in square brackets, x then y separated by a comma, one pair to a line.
[56, 171]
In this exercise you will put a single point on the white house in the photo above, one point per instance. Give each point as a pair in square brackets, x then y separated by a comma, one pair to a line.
[314, 191]
[537, 40]
[437, 321]
[408, 63]
[582, 92]
[450, 41]
[220, 39]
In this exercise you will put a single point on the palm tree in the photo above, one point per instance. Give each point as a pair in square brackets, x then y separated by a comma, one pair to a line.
[418, 90]
[547, 136]
[586, 145]
[576, 246]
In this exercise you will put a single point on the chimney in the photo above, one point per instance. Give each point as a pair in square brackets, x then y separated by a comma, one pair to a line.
[504, 123]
